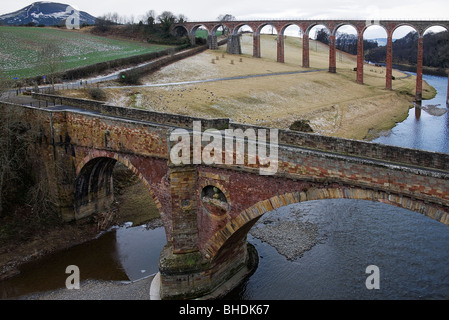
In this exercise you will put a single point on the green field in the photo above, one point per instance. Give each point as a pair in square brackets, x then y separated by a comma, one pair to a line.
[20, 46]
[200, 33]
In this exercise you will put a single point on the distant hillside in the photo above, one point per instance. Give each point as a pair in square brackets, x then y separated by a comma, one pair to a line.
[20, 47]
[43, 13]
[405, 51]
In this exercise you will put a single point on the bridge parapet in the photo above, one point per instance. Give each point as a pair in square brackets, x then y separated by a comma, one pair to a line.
[406, 156]
[364, 149]
[101, 108]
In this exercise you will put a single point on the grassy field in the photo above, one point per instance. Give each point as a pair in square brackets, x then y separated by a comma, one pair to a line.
[334, 103]
[203, 33]
[20, 46]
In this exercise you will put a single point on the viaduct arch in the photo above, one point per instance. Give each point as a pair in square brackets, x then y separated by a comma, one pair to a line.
[332, 25]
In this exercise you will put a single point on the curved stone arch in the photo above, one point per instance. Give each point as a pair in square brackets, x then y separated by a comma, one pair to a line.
[179, 26]
[264, 24]
[242, 223]
[195, 27]
[238, 26]
[342, 24]
[289, 24]
[314, 24]
[435, 25]
[405, 24]
[113, 158]
[374, 25]
[214, 29]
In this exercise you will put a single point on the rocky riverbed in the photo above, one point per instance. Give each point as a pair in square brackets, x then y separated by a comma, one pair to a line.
[433, 110]
[291, 238]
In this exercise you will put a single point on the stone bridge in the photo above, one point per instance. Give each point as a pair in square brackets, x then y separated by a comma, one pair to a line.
[233, 28]
[208, 209]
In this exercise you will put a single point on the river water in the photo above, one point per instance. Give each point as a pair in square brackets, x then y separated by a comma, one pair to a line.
[422, 130]
[410, 251]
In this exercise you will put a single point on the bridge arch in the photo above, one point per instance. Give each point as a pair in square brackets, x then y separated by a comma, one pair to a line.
[248, 29]
[316, 24]
[284, 27]
[405, 24]
[235, 30]
[283, 36]
[427, 29]
[215, 28]
[265, 24]
[192, 32]
[235, 231]
[343, 24]
[257, 50]
[94, 187]
[180, 30]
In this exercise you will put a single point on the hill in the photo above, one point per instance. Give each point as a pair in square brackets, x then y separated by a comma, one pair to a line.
[405, 51]
[43, 13]
[20, 49]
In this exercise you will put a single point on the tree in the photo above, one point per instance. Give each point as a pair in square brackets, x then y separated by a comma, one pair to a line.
[14, 143]
[149, 18]
[322, 35]
[166, 19]
[22, 176]
[182, 18]
[226, 17]
[51, 58]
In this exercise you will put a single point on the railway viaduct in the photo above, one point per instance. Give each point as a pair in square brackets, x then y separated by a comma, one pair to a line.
[305, 26]
[207, 209]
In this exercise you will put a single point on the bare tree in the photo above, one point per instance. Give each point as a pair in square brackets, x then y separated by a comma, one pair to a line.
[224, 18]
[22, 176]
[13, 149]
[5, 84]
[182, 18]
[51, 61]
[149, 18]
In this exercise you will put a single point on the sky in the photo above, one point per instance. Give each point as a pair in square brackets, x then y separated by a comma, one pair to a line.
[200, 10]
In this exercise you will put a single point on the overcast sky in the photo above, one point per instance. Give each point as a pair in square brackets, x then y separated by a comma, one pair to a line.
[200, 10]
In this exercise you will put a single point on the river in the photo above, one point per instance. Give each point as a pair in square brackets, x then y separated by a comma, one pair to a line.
[422, 130]
[410, 251]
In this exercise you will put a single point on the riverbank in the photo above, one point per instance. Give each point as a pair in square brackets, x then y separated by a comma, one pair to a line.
[334, 104]
[100, 290]
[133, 203]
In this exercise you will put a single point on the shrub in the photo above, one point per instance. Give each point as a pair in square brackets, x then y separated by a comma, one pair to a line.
[301, 125]
[97, 94]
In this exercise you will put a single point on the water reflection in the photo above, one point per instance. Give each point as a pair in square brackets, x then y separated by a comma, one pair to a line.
[122, 254]
[422, 130]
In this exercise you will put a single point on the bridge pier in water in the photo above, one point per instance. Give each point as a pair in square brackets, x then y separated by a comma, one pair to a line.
[185, 272]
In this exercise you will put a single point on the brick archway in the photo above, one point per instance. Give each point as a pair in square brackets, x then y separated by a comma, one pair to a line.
[94, 174]
[235, 231]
